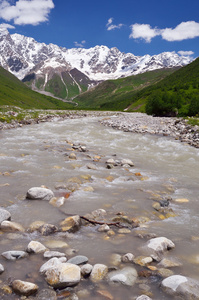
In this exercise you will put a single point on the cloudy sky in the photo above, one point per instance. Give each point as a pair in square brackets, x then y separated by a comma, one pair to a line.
[137, 26]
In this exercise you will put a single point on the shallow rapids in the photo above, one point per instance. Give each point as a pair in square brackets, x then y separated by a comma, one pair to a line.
[37, 155]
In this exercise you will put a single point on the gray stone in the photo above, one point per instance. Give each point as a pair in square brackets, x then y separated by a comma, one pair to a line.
[126, 276]
[47, 294]
[91, 166]
[104, 228]
[63, 275]
[169, 263]
[4, 215]
[51, 263]
[181, 286]
[128, 257]
[13, 255]
[35, 247]
[24, 288]
[78, 260]
[99, 212]
[143, 297]
[48, 229]
[11, 226]
[51, 254]
[86, 269]
[127, 162]
[157, 246]
[39, 193]
[1, 269]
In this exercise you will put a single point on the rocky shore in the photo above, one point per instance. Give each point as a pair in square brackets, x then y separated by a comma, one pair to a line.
[142, 123]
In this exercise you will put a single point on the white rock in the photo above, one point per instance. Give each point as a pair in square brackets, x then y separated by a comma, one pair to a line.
[128, 257]
[12, 226]
[127, 162]
[13, 255]
[86, 269]
[39, 193]
[126, 276]
[36, 247]
[4, 215]
[51, 254]
[51, 263]
[1, 268]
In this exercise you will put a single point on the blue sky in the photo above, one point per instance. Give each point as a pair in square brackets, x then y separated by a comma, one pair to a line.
[137, 26]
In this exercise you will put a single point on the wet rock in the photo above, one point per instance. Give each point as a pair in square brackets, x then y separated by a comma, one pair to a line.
[71, 224]
[57, 202]
[169, 263]
[47, 294]
[164, 273]
[13, 255]
[181, 286]
[103, 228]
[124, 231]
[115, 259]
[24, 288]
[142, 260]
[86, 269]
[157, 246]
[1, 269]
[48, 229]
[91, 166]
[143, 297]
[99, 213]
[78, 260]
[11, 226]
[63, 275]
[128, 257]
[35, 226]
[51, 254]
[126, 276]
[56, 244]
[4, 215]
[39, 193]
[127, 162]
[105, 294]
[72, 156]
[51, 263]
[35, 247]
[98, 273]
[89, 189]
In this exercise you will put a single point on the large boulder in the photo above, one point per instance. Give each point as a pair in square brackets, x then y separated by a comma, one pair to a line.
[39, 193]
[183, 287]
[63, 275]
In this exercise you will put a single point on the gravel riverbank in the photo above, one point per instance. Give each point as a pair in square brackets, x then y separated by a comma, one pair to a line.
[142, 123]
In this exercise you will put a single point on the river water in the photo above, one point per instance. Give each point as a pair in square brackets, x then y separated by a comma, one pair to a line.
[38, 155]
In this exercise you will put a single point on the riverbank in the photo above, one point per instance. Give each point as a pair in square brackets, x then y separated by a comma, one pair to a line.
[177, 128]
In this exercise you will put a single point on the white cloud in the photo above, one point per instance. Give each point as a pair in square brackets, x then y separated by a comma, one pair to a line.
[25, 12]
[7, 26]
[80, 45]
[143, 31]
[111, 26]
[186, 53]
[183, 31]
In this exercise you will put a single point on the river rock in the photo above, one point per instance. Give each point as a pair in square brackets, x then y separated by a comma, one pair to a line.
[48, 229]
[11, 226]
[169, 263]
[72, 155]
[51, 263]
[99, 212]
[71, 224]
[103, 228]
[142, 260]
[63, 275]
[157, 246]
[35, 225]
[78, 260]
[127, 162]
[86, 269]
[126, 276]
[91, 166]
[128, 257]
[143, 297]
[98, 273]
[1, 269]
[13, 255]
[46, 294]
[24, 288]
[51, 254]
[4, 215]
[39, 193]
[36, 247]
[181, 286]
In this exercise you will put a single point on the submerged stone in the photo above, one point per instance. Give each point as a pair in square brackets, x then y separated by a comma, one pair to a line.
[39, 193]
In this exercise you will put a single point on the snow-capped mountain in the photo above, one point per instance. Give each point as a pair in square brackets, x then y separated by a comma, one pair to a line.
[27, 58]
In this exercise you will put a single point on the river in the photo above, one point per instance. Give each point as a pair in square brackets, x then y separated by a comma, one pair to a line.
[37, 155]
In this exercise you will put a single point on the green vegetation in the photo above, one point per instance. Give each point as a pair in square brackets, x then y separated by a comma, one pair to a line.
[16, 93]
[118, 94]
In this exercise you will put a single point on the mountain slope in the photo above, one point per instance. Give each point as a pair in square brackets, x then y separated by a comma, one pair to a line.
[50, 67]
[117, 94]
[14, 92]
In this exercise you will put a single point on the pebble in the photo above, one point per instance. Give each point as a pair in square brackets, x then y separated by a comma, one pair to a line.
[125, 276]
[4, 215]
[39, 193]
[24, 288]
[51, 263]
[1, 269]
[98, 273]
[78, 260]
[35, 247]
[13, 255]
[86, 269]
[50, 254]
[11, 226]
[128, 257]
[71, 224]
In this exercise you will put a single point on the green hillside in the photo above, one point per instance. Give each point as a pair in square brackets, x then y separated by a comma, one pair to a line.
[15, 93]
[117, 94]
[177, 93]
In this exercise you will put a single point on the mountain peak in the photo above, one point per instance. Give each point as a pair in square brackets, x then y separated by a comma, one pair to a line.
[3, 31]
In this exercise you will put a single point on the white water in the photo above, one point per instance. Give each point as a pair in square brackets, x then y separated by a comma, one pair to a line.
[35, 156]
